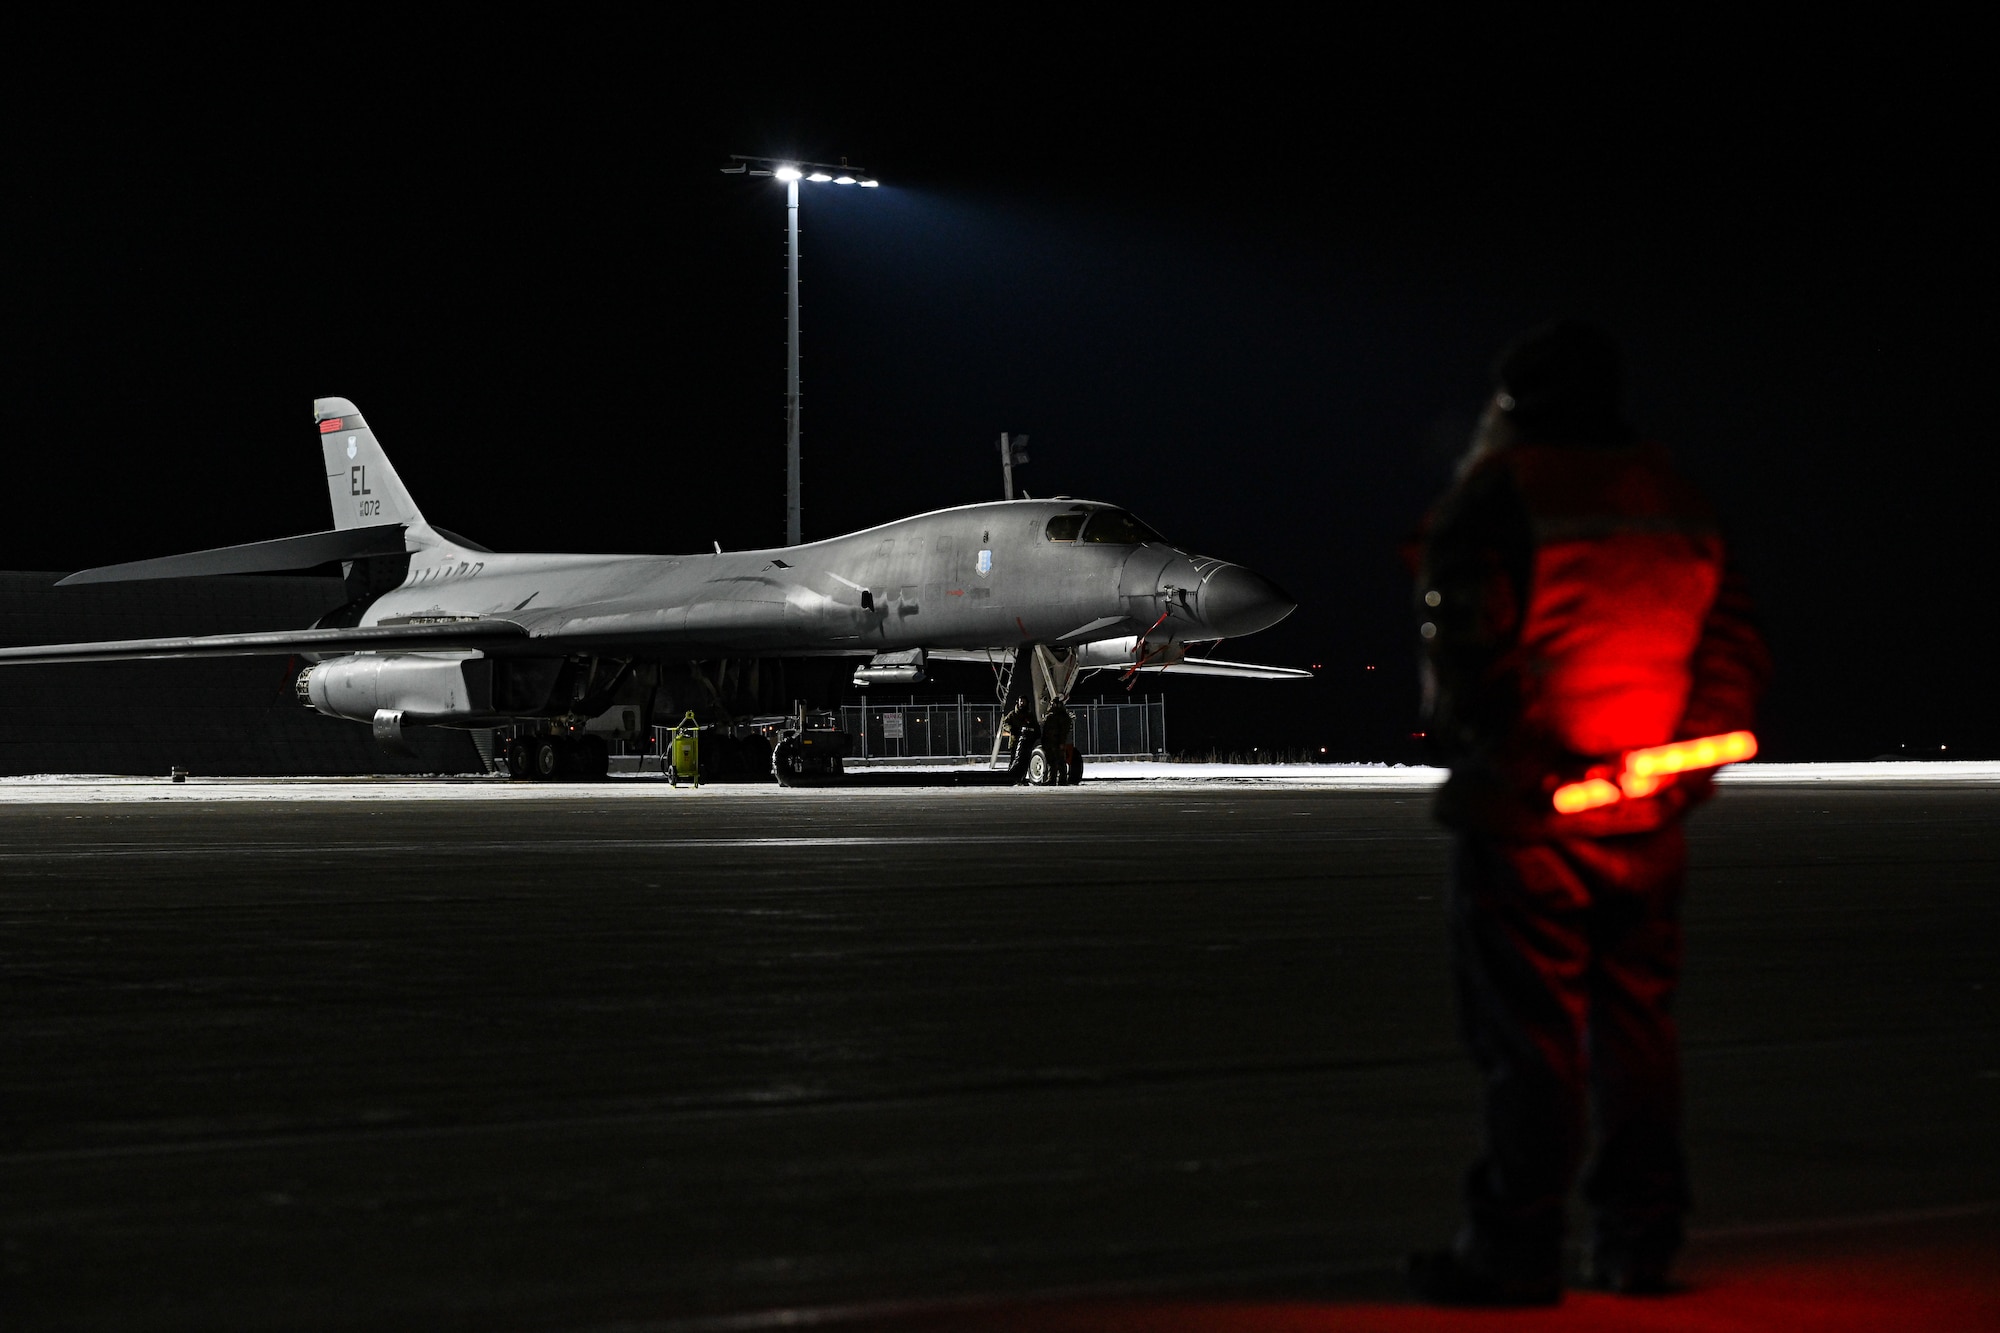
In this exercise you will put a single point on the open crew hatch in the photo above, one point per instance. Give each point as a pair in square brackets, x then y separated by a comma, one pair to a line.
[1110, 527]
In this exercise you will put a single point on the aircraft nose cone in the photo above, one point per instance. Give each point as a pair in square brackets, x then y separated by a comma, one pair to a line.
[1234, 602]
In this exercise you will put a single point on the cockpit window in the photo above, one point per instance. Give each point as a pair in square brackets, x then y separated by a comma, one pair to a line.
[1118, 528]
[1064, 527]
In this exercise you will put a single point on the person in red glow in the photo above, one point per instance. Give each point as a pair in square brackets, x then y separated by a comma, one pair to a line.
[1575, 600]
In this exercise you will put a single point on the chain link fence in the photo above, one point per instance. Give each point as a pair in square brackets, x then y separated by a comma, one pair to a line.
[945, 729]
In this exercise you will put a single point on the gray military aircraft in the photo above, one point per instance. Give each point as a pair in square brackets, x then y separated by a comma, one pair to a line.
[441, 631]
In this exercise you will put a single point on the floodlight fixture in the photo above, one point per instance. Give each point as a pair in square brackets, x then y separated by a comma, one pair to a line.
[791, 172]
[741, 164]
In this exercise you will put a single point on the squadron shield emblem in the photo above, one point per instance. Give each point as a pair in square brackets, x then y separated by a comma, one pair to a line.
[985, 565]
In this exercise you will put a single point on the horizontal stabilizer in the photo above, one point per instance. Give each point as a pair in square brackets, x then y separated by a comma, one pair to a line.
[488, 636]
[314, 548]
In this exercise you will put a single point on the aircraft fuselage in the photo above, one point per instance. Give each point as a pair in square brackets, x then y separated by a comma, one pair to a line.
[978, 576]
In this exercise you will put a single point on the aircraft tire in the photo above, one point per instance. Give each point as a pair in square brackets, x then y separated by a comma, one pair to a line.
[592, 758]
[1072, 766]
[786, 766]
[1026, 746]
[545, 758]
[517, 759]
[1044, 770]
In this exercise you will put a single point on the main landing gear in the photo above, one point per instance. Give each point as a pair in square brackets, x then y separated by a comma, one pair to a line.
[1037, 686]
[551, 758]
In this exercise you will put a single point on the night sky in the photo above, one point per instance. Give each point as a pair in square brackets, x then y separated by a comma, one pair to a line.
[1246, 281]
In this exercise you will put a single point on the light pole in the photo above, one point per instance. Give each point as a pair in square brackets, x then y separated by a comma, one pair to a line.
[791, 172]
[1013, 453]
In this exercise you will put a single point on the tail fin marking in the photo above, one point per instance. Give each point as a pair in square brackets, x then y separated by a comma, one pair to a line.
[360, 480]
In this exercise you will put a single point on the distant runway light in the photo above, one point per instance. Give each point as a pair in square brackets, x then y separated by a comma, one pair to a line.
[787, 173]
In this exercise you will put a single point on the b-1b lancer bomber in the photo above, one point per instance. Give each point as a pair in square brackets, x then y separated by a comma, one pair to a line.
[440, 631]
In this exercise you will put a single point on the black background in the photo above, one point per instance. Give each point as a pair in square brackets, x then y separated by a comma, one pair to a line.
[1246, 279]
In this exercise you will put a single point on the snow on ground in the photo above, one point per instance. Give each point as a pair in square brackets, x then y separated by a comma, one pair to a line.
[1378, 776]
[1957, 770]
[66, 788]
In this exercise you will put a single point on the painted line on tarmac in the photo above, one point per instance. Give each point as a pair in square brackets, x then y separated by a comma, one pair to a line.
[238, 850]
[486, 845]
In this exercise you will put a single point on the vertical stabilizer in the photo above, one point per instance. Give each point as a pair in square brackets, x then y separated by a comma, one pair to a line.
[362, 484]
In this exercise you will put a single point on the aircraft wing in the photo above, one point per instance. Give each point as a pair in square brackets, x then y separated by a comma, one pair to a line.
[478, 635]
[315, 548]
[1189, 666]
[1208, 666]
[990, 656]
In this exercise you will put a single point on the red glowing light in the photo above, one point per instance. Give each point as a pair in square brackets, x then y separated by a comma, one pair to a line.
[1685, 756]
[1574, 797]
[1643, 772]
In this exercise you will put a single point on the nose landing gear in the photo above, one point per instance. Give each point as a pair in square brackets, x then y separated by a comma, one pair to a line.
[1062, 770]
[1039, 720]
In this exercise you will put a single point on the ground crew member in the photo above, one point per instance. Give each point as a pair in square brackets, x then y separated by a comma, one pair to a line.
[1575, 600]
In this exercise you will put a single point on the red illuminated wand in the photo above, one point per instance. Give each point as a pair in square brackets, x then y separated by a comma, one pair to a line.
[1643, 772]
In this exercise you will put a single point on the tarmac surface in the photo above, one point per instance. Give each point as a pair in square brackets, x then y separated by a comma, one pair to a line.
[1169, 1054]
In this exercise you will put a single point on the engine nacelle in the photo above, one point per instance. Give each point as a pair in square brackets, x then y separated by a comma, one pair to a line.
[423, 687]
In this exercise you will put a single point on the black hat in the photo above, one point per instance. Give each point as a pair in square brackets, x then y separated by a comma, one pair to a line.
[1563, 379]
